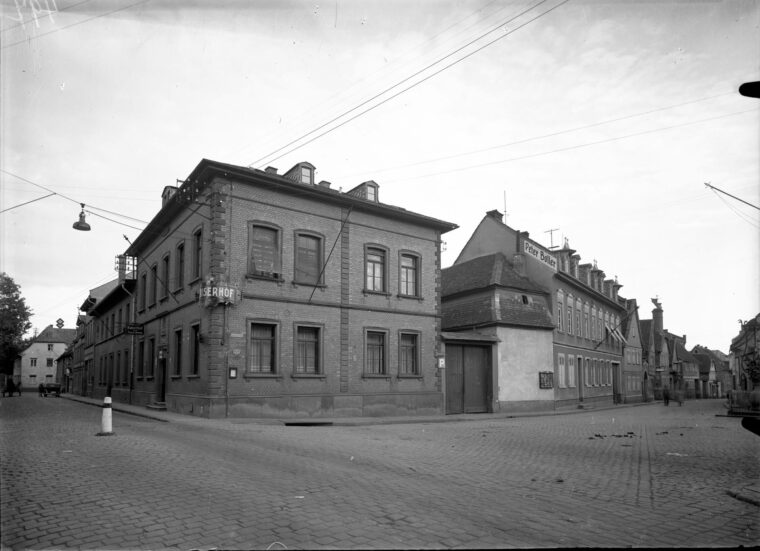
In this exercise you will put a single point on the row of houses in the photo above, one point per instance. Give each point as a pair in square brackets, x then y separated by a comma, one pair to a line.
[258, 294]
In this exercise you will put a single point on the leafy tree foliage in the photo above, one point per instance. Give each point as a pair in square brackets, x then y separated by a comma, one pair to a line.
[14, 322]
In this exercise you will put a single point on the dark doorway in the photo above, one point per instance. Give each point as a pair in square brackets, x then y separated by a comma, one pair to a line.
[161, 382]
[468, 378]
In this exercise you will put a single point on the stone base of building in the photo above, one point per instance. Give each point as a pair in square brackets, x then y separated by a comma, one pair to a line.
[308, 406]
[525, 406]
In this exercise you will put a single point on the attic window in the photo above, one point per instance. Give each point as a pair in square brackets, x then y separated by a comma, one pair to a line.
[306, 175]
[371, 193]
[525, 299]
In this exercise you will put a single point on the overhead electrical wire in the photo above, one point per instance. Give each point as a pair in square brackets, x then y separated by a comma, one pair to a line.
[89, 206]
[344, 91]
[27, 202]
[541, 137]
[569, 148]
[30, 38]
[363, 112]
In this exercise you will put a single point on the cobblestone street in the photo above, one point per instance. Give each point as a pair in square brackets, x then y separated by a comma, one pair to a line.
[630, 476]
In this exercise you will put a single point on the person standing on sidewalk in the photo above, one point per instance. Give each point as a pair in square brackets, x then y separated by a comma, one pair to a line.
[666, 395]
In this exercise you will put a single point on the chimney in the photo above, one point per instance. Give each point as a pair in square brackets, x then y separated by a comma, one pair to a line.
[324, 183]
[496, 215]
[657, 316]
[270, 170]
[584, 271]
[167, 194]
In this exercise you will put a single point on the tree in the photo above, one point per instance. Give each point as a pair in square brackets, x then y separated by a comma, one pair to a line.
[14, 322]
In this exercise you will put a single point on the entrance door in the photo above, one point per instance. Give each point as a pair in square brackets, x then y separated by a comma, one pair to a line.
[468, 374]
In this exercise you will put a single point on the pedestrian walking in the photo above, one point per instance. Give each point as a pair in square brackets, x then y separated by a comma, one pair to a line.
[666, 395]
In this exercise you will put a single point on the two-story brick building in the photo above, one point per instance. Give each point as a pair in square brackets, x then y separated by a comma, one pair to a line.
[266, 295]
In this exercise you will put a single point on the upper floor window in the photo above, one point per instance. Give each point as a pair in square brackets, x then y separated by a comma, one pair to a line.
[375, 261]
[50, 347]
[179, 267]
[371, 192]
[197, 253]
[33, 362]
[143, 290]
[308, 262]
[165, 276]
[264, 257]
[178, 352]
[49, 362]
[408, 279]
[153, 284]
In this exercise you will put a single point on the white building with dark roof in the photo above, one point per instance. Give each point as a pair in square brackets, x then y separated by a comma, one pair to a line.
[37, 363]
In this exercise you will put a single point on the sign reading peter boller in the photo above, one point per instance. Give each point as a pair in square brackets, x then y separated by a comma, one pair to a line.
[213, 294]
[541, 254]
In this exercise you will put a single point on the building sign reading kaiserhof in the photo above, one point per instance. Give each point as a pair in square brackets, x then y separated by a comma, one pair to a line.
[539, 253]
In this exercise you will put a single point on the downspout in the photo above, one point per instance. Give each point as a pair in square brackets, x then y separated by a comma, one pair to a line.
[132, 343]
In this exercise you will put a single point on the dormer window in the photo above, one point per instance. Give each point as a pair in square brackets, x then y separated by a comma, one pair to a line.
[307, 175]
[371, 193]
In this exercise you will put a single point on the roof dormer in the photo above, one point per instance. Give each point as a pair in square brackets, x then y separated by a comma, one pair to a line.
[302, 173]
[368, 190]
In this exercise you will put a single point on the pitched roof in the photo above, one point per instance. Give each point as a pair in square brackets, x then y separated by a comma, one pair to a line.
[479, 312]
[682, 353]
[54, 335]
[704, 361]
[483, 272]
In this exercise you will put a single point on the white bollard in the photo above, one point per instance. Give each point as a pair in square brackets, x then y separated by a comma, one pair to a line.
[105, 426]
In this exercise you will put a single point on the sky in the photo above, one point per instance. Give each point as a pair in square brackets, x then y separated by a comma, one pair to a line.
[595, 121]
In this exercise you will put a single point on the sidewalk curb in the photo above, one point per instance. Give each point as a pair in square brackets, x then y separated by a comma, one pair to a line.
[350, 421]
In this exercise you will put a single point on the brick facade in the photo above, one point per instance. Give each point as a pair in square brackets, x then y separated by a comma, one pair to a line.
[318, 329]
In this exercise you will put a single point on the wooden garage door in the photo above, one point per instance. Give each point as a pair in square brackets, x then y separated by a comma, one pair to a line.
[467, 378]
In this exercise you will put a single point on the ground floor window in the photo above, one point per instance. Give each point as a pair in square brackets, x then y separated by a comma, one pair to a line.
[307, 361]
[408, 362]
[375, 357]
[261, 356]
[561, 370]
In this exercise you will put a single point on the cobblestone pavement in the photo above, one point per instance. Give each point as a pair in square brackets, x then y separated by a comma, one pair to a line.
[645, 476]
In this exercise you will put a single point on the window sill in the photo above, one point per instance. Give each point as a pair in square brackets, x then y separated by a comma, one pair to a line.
[308, 284]
[378, 293]
[262, 376]
[193, 377]
[420, 377]
[163, 299]
[175, 377]
[195, 279]
[376, 376]
[178, 291]
[149, 378]
[262, 277]
[308, 376]
[411, 297]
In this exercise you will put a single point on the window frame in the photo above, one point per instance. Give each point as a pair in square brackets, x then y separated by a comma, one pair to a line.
[276, 274]
[165, 273]
[561, 370]
[384, 374]
[177, 342]
[297, 234]
[197, 254]
[319, 371]
[179, 266]
[417, 267]
[195, 349]
[371, 248]
[417, 354]
[153, 285]
[275, 348]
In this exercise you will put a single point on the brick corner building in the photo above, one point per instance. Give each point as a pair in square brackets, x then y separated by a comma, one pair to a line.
[256, 294]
